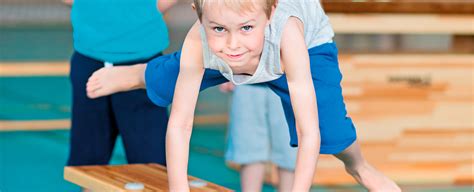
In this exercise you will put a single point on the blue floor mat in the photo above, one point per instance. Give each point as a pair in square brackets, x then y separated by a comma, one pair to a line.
[35, 98]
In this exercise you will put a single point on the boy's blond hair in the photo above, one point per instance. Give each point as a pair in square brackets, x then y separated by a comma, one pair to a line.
[236, 5]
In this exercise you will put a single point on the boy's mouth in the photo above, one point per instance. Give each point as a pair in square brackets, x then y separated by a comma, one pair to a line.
[235, 56]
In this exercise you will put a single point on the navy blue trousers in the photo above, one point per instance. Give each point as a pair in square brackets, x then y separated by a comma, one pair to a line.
[96, 123]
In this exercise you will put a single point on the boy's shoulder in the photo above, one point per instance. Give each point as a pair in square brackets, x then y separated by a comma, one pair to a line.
[293, 26]
[294, 22]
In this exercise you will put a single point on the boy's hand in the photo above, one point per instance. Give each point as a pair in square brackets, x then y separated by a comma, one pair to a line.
[226, 87]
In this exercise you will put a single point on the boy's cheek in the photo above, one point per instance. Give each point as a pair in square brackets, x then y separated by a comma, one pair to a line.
[215, 46]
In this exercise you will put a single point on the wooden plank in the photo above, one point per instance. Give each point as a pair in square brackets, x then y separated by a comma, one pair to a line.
[35, 125]
[398, 92]
[466, 177]
[8, 69]
[451, 132]
[446, 60]
[402, 23]
[463, 142]
[399, 6]
[114, 178]
[408, 76]
[429, 157]
[463, 44]
[394, 116]
[60, 124]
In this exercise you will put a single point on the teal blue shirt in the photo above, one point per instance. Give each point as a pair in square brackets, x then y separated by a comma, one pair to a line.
[118, 30]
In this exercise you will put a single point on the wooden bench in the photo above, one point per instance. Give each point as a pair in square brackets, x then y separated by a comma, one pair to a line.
[115, 177]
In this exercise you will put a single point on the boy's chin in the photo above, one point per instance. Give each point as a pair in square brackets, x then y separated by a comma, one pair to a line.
[235, 63]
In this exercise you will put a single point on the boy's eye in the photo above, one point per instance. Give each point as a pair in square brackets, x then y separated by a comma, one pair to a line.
[219, 29]
[247, 28]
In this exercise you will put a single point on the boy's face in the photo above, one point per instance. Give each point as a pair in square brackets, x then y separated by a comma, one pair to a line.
[235, 37]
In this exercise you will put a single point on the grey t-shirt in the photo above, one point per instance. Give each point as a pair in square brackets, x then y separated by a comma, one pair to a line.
[317, 31]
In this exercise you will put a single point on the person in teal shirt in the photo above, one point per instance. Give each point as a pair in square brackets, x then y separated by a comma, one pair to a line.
[114, 33]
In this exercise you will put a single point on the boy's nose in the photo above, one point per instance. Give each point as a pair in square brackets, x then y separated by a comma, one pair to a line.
[232, 41]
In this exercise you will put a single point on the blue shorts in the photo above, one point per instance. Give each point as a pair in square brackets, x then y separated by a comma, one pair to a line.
[336, 129]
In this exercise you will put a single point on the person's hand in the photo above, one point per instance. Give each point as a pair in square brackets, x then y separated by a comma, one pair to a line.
[68, 2]
[226, 87]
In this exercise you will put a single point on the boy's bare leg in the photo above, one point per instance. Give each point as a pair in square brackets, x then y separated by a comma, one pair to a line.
[363, 172]
[251, 177]
[286, 180]
[109, 80]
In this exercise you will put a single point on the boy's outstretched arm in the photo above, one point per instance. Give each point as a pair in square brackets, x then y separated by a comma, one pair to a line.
[295, 60]
[181, 119]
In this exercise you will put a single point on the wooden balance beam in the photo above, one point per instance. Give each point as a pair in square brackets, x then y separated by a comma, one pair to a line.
[115, 177]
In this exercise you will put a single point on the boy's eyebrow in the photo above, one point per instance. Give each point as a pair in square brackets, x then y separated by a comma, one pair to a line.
[215, 23]
[247, 22]
[243, 23]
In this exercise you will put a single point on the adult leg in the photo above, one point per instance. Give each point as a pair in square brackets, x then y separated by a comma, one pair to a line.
[93, 131]
[142, 126]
